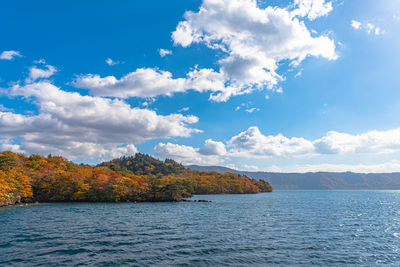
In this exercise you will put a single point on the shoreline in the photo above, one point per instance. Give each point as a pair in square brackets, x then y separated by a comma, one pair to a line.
[22, 204]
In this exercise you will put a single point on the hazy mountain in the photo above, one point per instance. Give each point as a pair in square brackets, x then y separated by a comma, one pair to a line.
[317, 180]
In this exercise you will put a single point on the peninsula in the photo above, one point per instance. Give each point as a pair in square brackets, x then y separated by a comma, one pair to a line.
[138, 178]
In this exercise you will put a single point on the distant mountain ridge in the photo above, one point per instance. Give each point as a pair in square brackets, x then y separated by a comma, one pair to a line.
[317, 180]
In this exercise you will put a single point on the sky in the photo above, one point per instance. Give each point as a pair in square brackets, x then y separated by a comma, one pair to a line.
[285, 86]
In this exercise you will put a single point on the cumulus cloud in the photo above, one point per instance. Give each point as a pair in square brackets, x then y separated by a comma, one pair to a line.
[212, 148]
[9, 55]
[164, 52]
[6, 144]
[312, 9]
[210, 153]
[252, 143]
[369, 142]
[253, 39]
[149, 82]
[74, 125]
[38, 73]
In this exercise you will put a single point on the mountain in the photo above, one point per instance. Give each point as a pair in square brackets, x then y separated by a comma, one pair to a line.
[317, 180]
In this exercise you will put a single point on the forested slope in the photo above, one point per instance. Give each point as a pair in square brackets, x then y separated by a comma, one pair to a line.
[139, 178]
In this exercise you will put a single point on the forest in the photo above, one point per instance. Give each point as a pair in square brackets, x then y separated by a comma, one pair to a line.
[136, 178]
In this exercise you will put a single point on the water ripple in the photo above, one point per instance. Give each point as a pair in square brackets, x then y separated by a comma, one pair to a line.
[285, 228]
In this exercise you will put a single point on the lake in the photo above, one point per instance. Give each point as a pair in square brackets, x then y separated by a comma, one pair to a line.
[309, 227]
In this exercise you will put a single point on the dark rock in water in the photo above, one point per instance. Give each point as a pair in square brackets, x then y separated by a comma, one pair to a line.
[200, 200]
[27, 200]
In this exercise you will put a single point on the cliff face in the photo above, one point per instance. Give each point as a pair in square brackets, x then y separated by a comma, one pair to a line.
[318, 180]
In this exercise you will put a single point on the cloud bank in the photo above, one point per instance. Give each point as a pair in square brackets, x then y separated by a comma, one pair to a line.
[253, 144]
[75, 126]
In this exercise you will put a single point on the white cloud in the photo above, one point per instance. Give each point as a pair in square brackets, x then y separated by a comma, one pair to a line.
[251, 110]
[111, 62]
[231, 166]
[143, 82]
[9, 55]
[368, 27]
[40, 61]
[184, 109]
[251, 143]
[298, 74]
[148, 102]
[209, 154]
[254, 40]
[7, 145]
[164, 52]
[369, 142]
[3, 108]
[37, 73]
[116, 152]
[211, 148]
[274, 168]
[247, 167]
[73, 125]
[148, 82]
[355, 24]
[312, 9]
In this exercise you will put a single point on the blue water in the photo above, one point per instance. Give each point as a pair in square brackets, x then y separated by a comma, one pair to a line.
[283, 228]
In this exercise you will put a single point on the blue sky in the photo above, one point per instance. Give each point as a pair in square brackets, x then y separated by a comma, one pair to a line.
[303, 85]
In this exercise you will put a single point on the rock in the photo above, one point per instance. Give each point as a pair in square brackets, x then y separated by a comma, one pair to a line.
[200, 200]
[27, 200]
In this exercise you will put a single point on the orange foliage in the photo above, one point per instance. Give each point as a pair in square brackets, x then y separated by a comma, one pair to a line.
[53, 178]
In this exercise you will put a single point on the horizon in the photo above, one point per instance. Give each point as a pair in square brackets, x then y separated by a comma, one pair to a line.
[262, 171]
[276, 86]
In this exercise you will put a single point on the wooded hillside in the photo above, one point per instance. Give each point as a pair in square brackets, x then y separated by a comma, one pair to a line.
[137, 178]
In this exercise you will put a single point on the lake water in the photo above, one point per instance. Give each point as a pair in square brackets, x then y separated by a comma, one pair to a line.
[326, 228]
